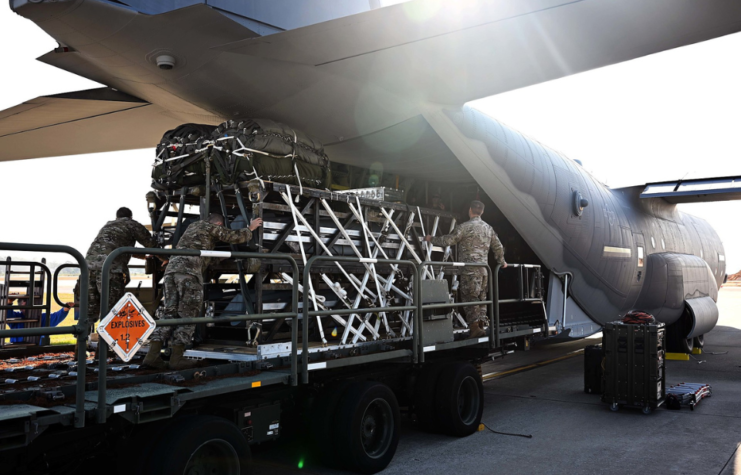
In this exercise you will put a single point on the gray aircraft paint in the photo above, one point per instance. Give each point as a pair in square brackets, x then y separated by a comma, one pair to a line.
[364, 83]
[534, 187]
[337, 80]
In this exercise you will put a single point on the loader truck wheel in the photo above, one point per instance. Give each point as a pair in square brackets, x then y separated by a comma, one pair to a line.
[424, 397]
[459, 399]
[367, 427]
[322, 424]
[200, 444]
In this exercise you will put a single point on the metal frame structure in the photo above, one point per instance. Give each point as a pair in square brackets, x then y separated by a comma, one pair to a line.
[80, 330]
[31, 294]
[145, 398]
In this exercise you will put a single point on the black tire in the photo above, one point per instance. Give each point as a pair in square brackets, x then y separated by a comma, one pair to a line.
[424, 398]
[459, 399]
[322, 424]
[675, 338]
[207, 444]
[686, 345]
[367, 427]
[699, 342]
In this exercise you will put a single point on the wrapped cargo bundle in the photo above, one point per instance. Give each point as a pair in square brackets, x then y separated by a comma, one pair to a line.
[239, 151]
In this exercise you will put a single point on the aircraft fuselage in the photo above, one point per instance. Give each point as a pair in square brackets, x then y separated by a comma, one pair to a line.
[620, 252]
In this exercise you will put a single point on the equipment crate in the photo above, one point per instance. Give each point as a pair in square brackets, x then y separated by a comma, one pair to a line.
[634, 365]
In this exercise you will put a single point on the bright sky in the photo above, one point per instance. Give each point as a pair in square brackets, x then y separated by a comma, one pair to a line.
[662, 117]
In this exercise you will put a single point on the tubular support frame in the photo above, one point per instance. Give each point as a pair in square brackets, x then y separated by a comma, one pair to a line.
[56, 281]
[105, 308]
[308, 313]
[79, 330]
[492, 304]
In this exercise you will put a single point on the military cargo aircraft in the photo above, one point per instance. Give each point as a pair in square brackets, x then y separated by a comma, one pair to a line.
[388, 85]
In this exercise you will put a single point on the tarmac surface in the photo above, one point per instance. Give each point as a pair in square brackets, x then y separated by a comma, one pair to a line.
[573, 432]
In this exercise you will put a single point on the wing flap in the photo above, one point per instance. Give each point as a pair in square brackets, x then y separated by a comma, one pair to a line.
[695, 191]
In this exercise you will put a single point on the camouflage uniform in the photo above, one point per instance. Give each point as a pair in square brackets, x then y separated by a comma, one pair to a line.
[183, 282]
[474, 239]
[122, 232]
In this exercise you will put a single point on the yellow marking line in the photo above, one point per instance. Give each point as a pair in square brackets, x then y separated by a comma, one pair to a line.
[257, 384]
[490, 376]
[677, 356]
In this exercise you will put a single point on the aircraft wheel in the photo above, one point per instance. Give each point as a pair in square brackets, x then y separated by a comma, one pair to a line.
[459, 399]
[686, 345]
[699, 341]
[675, 341]
[614, 407]
[200, 444]
[647, 410]
[424, 397]
[367, 427]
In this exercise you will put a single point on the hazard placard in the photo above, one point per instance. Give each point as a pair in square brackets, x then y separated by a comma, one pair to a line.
[126, 327]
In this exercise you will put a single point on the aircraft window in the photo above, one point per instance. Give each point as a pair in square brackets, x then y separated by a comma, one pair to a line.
[653, 242]
[610, 251]
[721, 257]
[663, 245]
[640, 256]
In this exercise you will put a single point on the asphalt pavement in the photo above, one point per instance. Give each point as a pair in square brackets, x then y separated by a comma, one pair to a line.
[540, 393]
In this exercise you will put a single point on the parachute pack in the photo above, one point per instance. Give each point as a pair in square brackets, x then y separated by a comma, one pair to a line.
[238, 151]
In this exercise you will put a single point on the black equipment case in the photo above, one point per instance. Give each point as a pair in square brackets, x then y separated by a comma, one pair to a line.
[634, 365]
[593, 373]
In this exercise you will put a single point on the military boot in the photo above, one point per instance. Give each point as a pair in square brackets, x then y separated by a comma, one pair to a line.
[154, 356]
[178, 361]
[476, 330]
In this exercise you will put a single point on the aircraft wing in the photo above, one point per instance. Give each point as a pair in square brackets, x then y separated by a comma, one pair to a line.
[360, 75]
[96, 120]
[695, 191]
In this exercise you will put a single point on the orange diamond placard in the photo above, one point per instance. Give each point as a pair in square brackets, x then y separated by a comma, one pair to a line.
[126, 327]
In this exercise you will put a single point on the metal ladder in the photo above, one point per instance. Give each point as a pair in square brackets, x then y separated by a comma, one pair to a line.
[31, 289]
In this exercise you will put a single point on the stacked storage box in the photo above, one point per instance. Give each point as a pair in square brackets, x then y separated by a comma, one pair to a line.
[634, 365]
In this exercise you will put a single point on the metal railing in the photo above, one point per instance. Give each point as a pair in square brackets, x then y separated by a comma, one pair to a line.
[56, 281]
[105, 308]
[492, 292]
[307, 313]
[81, 329]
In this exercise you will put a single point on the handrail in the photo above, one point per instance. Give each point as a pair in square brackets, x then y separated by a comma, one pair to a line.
[78, 330]
[104, 306]
[56, 281]
[493, 292]
[308, 313]
[32, 278]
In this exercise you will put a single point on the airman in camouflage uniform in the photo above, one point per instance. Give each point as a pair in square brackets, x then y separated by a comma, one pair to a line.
[474, 239]
[183, 285]
[122, 232]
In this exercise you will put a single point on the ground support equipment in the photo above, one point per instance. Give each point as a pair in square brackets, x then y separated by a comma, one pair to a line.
[634, 365]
